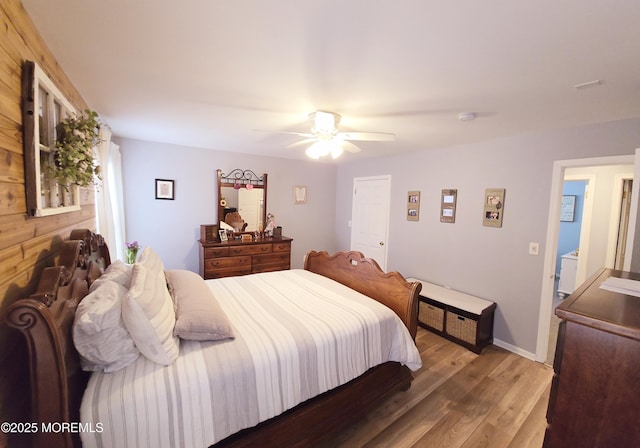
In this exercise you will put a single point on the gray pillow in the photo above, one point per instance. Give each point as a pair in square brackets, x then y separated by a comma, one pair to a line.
[199, 317]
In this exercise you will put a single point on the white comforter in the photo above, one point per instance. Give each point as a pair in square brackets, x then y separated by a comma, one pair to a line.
[298, 334]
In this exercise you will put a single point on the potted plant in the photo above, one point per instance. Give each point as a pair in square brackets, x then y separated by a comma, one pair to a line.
[74, 162]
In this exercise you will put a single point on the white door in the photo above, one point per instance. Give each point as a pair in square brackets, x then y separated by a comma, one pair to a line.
[370, 217]
[249, 207]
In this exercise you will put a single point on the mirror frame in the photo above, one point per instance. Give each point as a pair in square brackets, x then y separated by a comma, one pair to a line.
[242, 177]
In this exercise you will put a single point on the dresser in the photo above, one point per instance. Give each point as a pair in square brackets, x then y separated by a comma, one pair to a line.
[235, 257]
[594, 400]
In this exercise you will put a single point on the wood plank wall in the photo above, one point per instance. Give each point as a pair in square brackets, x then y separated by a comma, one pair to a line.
[27, 245]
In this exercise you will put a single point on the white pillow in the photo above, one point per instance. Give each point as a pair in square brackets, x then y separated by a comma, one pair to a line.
[148, 312]
[117, 272]
[99, 334]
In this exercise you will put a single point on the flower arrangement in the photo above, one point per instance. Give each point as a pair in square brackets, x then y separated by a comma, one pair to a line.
[74, 161]
[131, 252]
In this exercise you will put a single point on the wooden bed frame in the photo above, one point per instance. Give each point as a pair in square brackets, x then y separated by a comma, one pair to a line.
[57, 382]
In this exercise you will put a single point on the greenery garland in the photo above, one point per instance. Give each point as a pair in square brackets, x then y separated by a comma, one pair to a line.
[74, 156]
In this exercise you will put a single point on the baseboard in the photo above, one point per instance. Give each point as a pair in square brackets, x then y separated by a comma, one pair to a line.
[514, 349]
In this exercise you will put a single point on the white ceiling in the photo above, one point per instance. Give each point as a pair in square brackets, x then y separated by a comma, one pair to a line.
[208, 73]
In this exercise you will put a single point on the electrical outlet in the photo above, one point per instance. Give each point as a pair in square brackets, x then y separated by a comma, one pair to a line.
[534, 248]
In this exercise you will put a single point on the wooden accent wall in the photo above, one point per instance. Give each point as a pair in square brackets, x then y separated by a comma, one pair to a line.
[27, 245]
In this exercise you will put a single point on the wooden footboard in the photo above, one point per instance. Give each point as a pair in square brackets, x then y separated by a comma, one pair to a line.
[363, 274]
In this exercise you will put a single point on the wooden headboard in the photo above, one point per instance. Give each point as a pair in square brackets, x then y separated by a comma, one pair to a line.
[45, 319]
[364, 275]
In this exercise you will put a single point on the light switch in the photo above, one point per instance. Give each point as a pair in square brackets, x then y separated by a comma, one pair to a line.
[534, 248]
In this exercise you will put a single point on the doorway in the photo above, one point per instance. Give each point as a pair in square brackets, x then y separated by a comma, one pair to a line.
[370, 217]
[596, 252]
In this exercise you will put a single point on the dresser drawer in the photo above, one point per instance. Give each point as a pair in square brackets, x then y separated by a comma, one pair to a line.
[269, 267]
[228, 262]
[251, 250]
[226, 272]
[214, 252]
[226, 267]
[282, 247]
[278, 257]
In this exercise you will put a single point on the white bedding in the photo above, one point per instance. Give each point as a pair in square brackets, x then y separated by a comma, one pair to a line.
[297, 334]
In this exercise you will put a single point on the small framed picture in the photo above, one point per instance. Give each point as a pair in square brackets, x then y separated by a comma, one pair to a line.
[223, 235]
[448, 201]
[299, 194]
[413, 206]
[567, 208]
[165, 189]
[493, 207]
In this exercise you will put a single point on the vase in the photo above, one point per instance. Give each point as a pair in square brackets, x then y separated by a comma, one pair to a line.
[131, 255]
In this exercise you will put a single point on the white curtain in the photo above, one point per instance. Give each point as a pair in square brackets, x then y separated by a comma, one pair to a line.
[110, 196]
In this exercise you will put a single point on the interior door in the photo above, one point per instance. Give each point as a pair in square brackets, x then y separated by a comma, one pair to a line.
[370, 217]
[249, 206]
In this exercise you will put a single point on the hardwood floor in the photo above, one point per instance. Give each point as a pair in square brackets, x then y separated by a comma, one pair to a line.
[460, 399]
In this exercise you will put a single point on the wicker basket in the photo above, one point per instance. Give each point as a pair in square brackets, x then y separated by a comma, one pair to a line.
[461, 327]
[431, 316]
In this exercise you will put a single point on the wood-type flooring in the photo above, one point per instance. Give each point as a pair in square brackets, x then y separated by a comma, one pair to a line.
[460, 400]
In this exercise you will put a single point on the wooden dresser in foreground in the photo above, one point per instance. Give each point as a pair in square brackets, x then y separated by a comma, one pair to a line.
[594, 398]
[226, 259]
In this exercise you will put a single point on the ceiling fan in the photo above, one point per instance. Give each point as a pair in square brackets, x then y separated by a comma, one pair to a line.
[326, 139]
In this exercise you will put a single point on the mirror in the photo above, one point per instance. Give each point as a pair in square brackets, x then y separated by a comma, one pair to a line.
[242, 200]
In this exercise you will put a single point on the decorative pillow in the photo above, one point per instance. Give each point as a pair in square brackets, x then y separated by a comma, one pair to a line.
[117, 272]
[147, 310]
[99, 334]
[199, 317]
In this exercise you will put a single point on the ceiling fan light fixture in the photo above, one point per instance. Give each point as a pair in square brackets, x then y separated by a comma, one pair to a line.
[317, 150]
[325, 122]
[324, 147]
[336, 151]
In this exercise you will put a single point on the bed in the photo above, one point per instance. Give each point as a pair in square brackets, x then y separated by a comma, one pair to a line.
[300, 417]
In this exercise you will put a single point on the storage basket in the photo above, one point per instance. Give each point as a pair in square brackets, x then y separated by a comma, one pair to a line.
[431, 316]
[461, 327]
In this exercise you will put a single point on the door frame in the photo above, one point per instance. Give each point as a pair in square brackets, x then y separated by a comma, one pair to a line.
[585, 228]
[551, 244]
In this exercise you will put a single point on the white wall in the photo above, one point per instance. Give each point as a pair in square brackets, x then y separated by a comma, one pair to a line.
[172, 228]
[493, 263]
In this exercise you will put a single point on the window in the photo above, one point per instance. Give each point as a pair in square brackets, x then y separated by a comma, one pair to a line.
[42, 99]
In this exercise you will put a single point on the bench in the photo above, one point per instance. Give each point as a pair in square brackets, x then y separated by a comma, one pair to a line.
[459, 317]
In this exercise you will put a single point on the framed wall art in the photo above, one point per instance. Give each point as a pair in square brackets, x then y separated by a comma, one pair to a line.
[165, 189]
[448, 201]
[493, 207]
[413, 206]
[567, 208]
[299, 194]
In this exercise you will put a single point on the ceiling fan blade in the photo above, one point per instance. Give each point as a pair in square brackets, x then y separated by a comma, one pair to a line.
[300, 134]
[348, 146]
[302, 142]
[368, 136]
